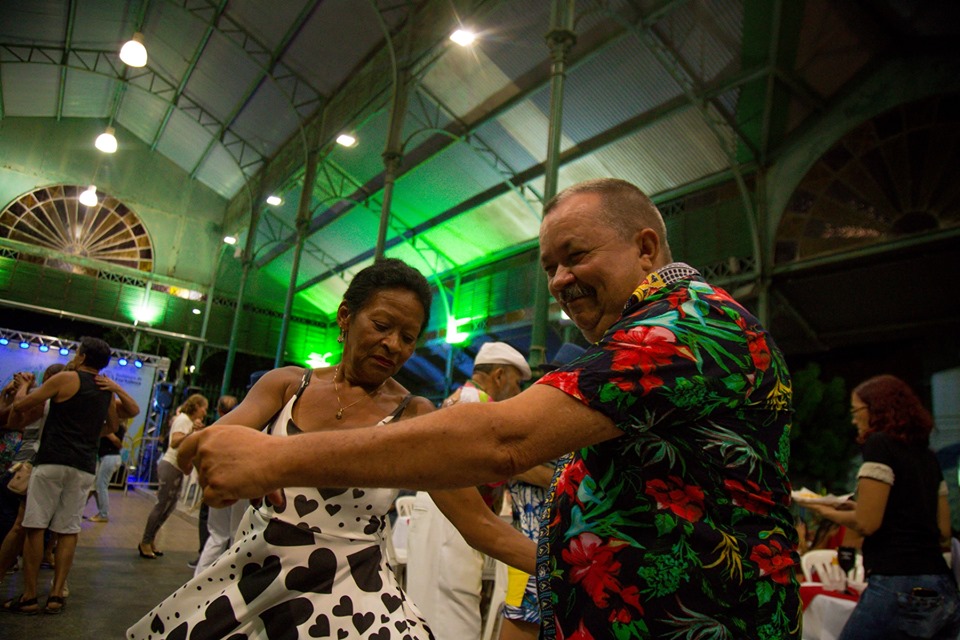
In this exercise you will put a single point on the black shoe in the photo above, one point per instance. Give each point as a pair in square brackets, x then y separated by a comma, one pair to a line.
[193, 563]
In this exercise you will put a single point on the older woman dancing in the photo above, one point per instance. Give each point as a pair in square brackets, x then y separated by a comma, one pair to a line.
[312, 564]
[902, 510]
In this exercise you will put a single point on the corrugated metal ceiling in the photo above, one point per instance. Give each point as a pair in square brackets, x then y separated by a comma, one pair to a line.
[234, 89]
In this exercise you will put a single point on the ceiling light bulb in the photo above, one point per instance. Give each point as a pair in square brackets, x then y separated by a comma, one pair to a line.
[230, 239]
[133, 52]
[89, 197]
[106, 141]
[274, 200]
[346, 140]
[463, 37]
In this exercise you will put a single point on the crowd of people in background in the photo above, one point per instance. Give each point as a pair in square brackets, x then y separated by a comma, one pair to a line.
[647, 471]
[75, 407]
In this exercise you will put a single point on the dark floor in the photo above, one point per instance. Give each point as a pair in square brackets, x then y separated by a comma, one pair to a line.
[111, 587]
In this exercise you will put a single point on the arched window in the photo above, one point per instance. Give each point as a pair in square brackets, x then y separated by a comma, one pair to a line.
[53, 217]
[890, 177]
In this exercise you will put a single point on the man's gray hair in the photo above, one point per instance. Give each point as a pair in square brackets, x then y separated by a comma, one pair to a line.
[625, 208]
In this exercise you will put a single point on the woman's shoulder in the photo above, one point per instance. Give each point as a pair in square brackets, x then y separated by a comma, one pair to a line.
[416, 405]
[420, 405]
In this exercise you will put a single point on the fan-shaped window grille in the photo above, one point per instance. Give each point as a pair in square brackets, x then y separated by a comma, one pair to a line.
[892, 176]
[52, 217]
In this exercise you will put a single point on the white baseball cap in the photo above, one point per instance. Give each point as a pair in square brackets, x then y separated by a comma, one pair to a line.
[502, 353]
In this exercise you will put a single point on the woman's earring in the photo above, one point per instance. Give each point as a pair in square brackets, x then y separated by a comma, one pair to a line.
[342, 336]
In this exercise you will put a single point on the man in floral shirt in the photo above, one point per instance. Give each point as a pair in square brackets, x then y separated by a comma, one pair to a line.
[679, 528]
[669, 519]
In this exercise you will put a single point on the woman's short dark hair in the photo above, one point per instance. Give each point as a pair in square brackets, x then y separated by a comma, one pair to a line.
[895, 409]
[388, 273]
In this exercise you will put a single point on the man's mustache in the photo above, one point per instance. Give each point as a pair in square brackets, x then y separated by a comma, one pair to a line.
[574, 291]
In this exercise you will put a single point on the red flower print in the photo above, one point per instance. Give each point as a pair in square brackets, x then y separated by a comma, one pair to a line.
[646, 383]
[759, 350]
[630, 597]
[645, 348]
[773, 560]
[566, 381]
[582, 633]
[570, 478]
[683, 500]
[750, 496]
[592, 564]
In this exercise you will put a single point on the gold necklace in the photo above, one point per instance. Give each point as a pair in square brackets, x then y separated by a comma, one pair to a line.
[336, 387]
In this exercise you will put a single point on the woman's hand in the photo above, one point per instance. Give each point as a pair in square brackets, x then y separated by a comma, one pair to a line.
[233, 463]
[106, 384]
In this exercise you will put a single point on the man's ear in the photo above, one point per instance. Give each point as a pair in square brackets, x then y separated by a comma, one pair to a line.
[495, 380]
[648, 248]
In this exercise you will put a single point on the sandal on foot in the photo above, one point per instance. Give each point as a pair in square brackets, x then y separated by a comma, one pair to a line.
[144, 554]
[19, 605]
[60, 601]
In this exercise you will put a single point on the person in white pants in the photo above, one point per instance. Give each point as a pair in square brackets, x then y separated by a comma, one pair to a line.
[444, 574]
[221, 523]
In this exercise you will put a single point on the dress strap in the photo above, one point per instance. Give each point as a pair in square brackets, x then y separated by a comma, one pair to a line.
[304, 381]
[400, 408]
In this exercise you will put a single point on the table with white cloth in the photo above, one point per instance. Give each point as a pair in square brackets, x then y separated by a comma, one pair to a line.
[825, 617]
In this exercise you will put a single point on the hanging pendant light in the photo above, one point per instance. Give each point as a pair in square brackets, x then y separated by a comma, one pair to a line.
[106, 141]
[133, 52]
[89, 197]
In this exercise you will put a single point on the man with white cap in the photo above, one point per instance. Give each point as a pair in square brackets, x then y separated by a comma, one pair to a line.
[444, 574]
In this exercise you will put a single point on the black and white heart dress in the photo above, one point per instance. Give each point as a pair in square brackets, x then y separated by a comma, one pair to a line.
[314, 568]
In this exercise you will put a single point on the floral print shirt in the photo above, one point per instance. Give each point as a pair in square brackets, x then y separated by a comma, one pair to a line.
[679, 529]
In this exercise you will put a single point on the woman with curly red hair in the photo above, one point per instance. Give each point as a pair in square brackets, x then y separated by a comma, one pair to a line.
[902, 510]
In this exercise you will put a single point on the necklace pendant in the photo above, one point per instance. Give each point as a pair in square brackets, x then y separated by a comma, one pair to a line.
[340, 414]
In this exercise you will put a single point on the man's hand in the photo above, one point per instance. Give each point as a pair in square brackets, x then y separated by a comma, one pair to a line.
[107, 384]
[233, 462]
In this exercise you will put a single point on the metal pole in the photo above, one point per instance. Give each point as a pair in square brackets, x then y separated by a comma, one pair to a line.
[560, 39]
[255, 207]
[448, 375]
[765, 254]
[206, 312]
[234, 332]
[302, 224]
[393, 153]
[183, 362]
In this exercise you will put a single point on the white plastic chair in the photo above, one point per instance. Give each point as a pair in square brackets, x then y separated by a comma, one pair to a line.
[810, 562]
[396, 536]
[494, 615]
[824, 563]
[404, 505]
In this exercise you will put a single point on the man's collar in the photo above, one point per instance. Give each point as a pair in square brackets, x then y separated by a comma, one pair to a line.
[662, 277]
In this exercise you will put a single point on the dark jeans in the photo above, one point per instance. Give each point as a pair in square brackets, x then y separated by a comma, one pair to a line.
[9, 505]
[888, 609]
[202, 529]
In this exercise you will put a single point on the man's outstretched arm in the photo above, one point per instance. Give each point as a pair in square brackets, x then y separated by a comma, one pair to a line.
[462, 446]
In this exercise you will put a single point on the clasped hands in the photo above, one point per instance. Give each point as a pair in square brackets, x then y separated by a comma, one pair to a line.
[233, 463]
